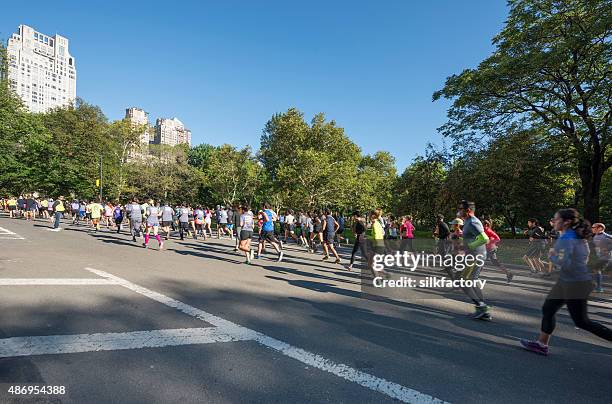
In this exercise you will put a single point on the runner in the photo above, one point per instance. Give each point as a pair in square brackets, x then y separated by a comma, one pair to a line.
[378, 242]
[95, 210]
[246, 233]
[118, 216]
[230, 222]
[183, 218]
[492, 246]
[571, 253]
[474, 242]
[58, 208]
[167, 217]
[359, 228]
[330, 227]
[407, 233]
[207, 222]
[153, 214]
[31, 208]
[603, 248]
[536, 244]
[12, 207]
[441, 234]
[43, 209]
[134, 211]
[290, 226]
[238, 211]
[222, 223]
[108, 215]
[74, 210]
[198, 222]
[269, 217]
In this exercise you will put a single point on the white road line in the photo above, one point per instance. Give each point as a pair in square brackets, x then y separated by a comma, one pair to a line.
[367, 380]
[54, 281]
[6, 234]
[63, 344]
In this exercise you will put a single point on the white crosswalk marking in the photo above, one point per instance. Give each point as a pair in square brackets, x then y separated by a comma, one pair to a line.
[6, 234]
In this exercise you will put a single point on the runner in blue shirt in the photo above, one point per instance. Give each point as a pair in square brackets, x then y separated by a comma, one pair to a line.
[269, 217]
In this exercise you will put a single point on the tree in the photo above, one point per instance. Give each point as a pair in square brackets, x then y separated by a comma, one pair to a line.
[551, 71]
[232, 174]
[419, 190]
[374, 184]
[80, 132]
[309, 165]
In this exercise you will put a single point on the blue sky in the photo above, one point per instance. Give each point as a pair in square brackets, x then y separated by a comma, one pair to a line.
[225, 67]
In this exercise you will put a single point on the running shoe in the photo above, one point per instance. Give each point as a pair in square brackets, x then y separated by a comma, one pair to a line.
[480, 312]
[534, 346]
[280, 256]
[161, 245]
[599, 290]
[349, 267]
[509, 277]
[337, 261]
[325, 257]
[486, 317]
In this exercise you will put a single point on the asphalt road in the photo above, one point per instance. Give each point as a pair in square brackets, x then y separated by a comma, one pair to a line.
[114, 322]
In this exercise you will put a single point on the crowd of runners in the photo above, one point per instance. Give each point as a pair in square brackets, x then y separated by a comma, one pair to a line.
[574, 248]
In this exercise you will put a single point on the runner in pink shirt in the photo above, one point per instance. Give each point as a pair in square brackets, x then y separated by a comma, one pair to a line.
[407, 234]
[494, 239]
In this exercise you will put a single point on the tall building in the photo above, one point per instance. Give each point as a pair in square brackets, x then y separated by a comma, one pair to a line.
[138, 116]
[41, 70]
[171, 132]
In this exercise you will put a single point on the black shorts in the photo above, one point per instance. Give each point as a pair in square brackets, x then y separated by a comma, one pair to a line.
[328, 237]
[166, 223]
[184, 225]
[269, 236]
[534, 250]
[12, 207]
[246, 234]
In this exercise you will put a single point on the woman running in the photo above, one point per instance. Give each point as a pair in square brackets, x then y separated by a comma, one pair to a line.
[571, 254]
[153, 214]
[407, 233]
[246, 233]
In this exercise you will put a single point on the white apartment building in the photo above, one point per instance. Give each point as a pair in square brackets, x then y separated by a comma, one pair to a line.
[139, 116]
[171, 132]
[41, 70]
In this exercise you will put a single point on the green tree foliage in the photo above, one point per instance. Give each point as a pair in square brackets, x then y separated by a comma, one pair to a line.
[420, 190]
[550, 71]
[309, 165]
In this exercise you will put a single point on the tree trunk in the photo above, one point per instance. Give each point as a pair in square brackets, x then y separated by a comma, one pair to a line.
[591, 173]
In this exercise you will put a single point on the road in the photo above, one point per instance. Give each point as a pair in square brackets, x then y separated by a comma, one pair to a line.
[114, 322]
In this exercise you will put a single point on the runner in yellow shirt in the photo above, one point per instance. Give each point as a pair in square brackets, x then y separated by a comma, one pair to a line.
[96, 212]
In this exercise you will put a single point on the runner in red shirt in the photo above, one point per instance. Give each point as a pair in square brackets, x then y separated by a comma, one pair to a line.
[494, 239]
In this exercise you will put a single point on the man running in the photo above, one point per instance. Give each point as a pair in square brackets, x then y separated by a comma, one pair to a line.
[59, 209]
[269, 217]
[134, 211]
[330, 227]
[118, 216]
[474, 242]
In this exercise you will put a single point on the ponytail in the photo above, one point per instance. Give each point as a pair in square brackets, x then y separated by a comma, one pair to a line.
[579, 225]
